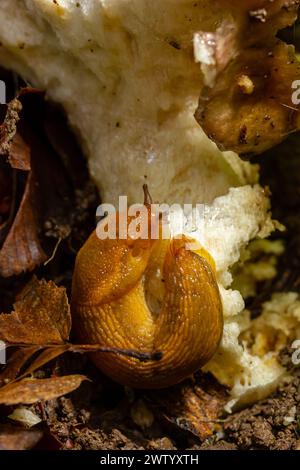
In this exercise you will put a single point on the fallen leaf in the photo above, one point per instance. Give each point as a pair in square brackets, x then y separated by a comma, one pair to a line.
[29, 391]
[51, 197]
[19, 154]
[40, 326]
[47, 192]
[41, 316]
[194, 407]
[44, 357]
[17, 438]
[5, 193]
[15, 364]
[22, 250]
[21, 356]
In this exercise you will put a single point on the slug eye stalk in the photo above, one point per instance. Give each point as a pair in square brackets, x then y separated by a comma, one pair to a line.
[147, 295]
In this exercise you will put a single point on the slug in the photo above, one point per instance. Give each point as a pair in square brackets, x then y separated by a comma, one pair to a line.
[147, 295]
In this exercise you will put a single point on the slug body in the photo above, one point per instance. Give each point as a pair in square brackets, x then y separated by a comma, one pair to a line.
[147, 295]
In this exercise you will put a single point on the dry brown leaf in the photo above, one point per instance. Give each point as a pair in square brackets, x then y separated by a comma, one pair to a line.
[19, 154]
[44, 357]
[44, 166]
[46, 193]
[15, 364]
[18, 438]
[249, 107]
[192, 407]
[41, 316]
[22, 249]
[21, 356]
[29, 391]
[5, 191]
[41, 320]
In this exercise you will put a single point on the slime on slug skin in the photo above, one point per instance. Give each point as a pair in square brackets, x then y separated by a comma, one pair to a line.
[147, 295]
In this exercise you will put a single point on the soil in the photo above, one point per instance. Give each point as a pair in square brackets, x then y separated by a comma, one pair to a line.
[102, 415]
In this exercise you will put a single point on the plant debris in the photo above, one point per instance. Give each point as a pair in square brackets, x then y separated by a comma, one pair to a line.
[21, 249]
[30, 391]
[249, 107]
[39, 327]
[193, 406]
[44, 203]
[41, 316]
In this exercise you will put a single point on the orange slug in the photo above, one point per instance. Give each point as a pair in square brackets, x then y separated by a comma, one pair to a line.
[147, 295]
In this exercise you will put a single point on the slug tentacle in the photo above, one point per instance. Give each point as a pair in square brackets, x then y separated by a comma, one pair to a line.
[147, 296]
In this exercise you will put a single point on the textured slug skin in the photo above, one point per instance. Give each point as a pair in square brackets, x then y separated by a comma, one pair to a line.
[112, 283]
